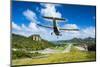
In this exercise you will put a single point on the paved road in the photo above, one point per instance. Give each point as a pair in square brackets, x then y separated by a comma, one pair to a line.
[68, 48]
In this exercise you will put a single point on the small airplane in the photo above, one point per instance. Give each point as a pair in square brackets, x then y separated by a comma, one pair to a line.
[55, 28]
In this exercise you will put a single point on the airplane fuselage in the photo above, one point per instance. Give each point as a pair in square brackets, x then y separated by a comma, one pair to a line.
[55, 29]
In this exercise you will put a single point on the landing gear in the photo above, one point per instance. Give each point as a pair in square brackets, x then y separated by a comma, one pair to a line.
[51, 33]
[60, 34]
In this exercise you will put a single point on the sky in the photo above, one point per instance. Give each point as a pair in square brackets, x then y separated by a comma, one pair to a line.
[26, 16]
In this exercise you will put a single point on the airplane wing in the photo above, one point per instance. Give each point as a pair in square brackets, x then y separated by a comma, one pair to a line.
[60, 19]
[44, 26]
[54, 18]
[69, 29]
[48, 17]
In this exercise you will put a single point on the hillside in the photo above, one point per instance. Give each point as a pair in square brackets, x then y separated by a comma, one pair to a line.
[28, 44]
[78, 41]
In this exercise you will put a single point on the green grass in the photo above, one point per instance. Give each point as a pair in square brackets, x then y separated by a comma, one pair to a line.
[74, 56]
[60, 48]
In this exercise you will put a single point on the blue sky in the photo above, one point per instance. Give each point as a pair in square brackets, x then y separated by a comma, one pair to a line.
[25, 16]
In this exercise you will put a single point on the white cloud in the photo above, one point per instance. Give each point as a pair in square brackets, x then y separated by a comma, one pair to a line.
[23, 33]
[82, 33]
[70, 26]
[30, 15]
[33, 26]
[89, 32]
[15, 26]
[29, 30]
[50, 10]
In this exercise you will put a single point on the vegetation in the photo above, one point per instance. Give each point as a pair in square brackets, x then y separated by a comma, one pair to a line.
[22, 54]
[21, 42]
[23, 45]
[74, 56]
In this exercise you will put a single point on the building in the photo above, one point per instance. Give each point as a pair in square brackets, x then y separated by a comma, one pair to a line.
[36, 37]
